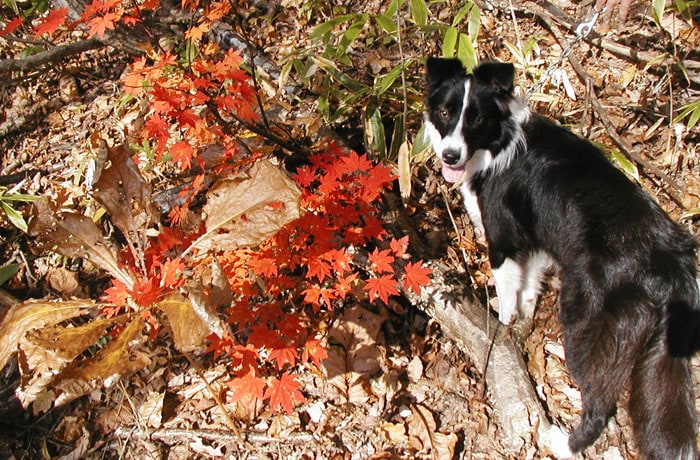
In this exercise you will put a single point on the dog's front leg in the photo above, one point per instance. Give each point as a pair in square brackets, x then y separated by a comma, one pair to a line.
[509, 280]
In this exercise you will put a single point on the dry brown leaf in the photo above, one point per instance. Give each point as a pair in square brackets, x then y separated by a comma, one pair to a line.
[248, 209]
[356, 355]
[115, 360]
[17, 320]
[189, 330]
[422, 430]
[127, 198]
[404, 166]
[74, 235]
[62, 280]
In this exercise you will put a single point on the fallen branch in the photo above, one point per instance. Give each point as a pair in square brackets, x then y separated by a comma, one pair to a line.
[462, 318]
[48, 56]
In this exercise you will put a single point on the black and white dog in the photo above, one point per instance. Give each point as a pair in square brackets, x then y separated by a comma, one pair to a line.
[630, 302]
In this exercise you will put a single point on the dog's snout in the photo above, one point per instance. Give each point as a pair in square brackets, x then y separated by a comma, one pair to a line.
[451, 156]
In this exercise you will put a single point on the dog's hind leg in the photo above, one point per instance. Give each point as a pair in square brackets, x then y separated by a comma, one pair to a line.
[600, 353]
[662, 404]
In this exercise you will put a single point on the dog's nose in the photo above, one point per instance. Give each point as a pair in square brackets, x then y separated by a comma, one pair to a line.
[451, 156]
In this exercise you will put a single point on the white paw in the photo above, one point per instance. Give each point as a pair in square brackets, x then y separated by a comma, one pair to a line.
[556, 441]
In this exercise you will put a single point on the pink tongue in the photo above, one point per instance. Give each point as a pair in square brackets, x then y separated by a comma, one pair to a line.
[451, 175]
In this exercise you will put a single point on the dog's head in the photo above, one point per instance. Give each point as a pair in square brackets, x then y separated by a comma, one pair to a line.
[471, 116]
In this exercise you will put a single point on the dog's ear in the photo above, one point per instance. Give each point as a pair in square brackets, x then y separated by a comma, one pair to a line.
[498, 75]
[441, 69]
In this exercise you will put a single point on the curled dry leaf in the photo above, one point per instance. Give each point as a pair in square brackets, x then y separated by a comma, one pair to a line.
[248, 209]
[189, 329]
[127, 198]
[17, 320]
[74, 235]
[423, 434]
[119, 358]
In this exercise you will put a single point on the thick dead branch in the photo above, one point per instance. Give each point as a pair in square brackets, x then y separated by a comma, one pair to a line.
[516, 406]
[47, 57]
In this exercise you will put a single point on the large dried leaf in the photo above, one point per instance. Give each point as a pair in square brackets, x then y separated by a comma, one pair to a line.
[248, 209]
[74, 235]
[44, 352]
[17, 320]
[189, 329]
[118, 359]
[127, 197]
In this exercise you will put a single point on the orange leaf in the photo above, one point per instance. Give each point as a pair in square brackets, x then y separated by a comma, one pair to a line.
[100, 24]
[380, 261]
[381, 287]
[314, 351]
[415, 276]
[53, 21]
[11, 26]
[248, 387]
[283, 393]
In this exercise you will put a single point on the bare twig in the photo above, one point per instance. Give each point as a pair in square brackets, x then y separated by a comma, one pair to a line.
[49, 56]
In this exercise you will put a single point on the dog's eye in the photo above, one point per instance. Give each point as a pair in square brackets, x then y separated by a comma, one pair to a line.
[443, 114]
[478, 120]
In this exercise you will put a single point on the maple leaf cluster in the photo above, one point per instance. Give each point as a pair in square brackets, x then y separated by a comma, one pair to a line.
[288, 283]
[284, 287]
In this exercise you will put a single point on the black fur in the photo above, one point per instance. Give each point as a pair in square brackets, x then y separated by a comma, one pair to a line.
[630, 307]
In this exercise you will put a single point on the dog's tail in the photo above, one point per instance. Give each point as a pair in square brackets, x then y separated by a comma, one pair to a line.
[662, 404]
[683, 316]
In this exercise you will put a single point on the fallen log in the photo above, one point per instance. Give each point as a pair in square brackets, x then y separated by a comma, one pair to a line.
[518, 410]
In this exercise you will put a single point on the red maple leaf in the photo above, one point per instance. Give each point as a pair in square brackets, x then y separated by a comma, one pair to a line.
[314, 351]
[353, 162]
[415, 276]
[219, 345]
[11, 26]
[249, 387]
[343, 286]
[53, 21]
[157, 127]
[399, 247]
[319, 268]
[315, 293]
[380, 261]
[381, 288]
[283, 393]
[172, 272]
[100, 24]
[182, 153]
[284, 354]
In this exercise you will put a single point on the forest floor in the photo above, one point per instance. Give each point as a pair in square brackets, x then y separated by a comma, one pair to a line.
[421, 396]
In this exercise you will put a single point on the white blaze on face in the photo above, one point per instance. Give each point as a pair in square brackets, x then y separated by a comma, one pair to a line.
[453, 141]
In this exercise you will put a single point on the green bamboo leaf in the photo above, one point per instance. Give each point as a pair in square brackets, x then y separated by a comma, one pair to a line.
[449, 42]
[466, 52]
[7, 272]
[387, 24]
[351, 34]
[375, 139]
[419, 12]
[19, 197]
[15, 217]
[397, 137]
[657, 8]
[327, 27]
[421, 143]
[624, 163]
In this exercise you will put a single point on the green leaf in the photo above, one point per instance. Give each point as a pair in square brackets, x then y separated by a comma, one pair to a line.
[7, 272]
[375, 140]
[624, 163]
[466, 52]
[461, 14]
[397, 138]
[394, 7]
[19, 197]
[657, 8]
[474, 22]
[692, 112]
[449, 42]
[419, 12]
[421, 143]
[329, 67]
[351, 34]
[386, 22]
[14, 216]
[324, 29]
[383, 83]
